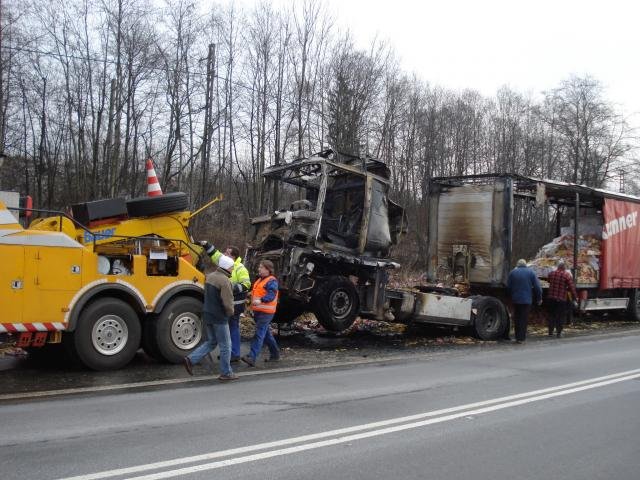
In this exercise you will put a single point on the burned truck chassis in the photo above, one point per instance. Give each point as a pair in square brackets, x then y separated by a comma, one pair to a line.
[335, 286]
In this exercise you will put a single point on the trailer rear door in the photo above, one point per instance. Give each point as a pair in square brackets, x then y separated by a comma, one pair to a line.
[474, 218]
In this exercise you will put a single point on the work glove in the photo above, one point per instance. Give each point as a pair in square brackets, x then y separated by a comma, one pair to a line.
[575, 304]
[209, 248]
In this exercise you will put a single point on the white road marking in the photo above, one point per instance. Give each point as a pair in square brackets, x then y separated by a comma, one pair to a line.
[375, 429]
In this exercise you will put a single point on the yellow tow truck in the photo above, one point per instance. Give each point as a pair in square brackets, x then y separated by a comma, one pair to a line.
[103, 294]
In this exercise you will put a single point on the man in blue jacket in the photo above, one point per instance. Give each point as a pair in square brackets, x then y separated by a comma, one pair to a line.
[524, 288]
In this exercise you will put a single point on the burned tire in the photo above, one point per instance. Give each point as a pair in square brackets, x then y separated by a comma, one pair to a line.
[107, 335]
[179, 329]
[490, 320]
[336, 304]
[148, 206]
[633, 310]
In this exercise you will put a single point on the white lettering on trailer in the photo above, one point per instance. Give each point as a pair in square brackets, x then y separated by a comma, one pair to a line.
[619, 224]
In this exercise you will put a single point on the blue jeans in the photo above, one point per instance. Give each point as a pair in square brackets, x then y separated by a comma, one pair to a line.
[234, 330]
[263, 335]
[217, 334]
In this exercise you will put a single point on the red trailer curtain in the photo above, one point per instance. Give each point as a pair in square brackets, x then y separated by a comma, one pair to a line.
[620, 261]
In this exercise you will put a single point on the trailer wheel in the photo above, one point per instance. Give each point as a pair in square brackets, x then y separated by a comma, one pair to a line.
[148, 206]
[179, 328]
[108, 334]
[336, 304]
[633, 310]
[490, 320]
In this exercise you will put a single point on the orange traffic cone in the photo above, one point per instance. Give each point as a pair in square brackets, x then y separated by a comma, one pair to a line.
[153, 186]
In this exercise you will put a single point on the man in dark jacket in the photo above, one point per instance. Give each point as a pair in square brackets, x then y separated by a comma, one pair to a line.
[218, 307]
[524, 288]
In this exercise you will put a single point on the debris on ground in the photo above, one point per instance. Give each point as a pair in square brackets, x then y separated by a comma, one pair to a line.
[11, 351]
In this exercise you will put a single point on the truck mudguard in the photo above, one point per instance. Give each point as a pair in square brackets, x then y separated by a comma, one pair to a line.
[176, 288]
[113, 289]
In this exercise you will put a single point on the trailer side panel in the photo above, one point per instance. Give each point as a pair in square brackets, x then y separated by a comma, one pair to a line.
[620, 266]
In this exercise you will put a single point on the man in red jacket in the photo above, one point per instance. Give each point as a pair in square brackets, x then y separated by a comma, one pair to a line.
[560, 282]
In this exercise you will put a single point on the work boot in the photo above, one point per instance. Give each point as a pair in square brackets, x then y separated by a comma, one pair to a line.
[248, 360]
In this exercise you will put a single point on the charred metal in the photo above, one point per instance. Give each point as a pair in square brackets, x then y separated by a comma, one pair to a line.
[332, 240]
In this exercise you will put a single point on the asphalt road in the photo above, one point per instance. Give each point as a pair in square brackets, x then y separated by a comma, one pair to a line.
[557, 409]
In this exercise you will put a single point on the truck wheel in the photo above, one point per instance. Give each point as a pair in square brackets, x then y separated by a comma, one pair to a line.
[149, 343]
[148, 206]
[336, 304]
[490, 321]
[108, 334]
[633, 310]
[179, 328]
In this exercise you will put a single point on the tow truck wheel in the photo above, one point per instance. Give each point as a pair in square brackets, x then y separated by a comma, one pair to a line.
[149, 344]
[490, 319]
[107, 335]
[179, 328]
[336, 304]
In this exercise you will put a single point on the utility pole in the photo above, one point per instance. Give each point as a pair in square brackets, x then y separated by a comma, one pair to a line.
[208, 118]
[2, 119]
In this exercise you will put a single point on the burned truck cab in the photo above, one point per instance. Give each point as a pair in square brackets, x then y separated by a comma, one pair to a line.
[332, 239]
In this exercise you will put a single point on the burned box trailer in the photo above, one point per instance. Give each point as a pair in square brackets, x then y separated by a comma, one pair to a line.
[479, 225]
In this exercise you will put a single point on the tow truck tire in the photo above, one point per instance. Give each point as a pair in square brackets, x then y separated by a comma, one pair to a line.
[336, 304]
[179, 328]
[490, 320]
[149, 344]
[107, 335]
[148, 206]
[633, 310]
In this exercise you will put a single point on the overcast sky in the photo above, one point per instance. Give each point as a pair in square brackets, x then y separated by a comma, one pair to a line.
[528, 45]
